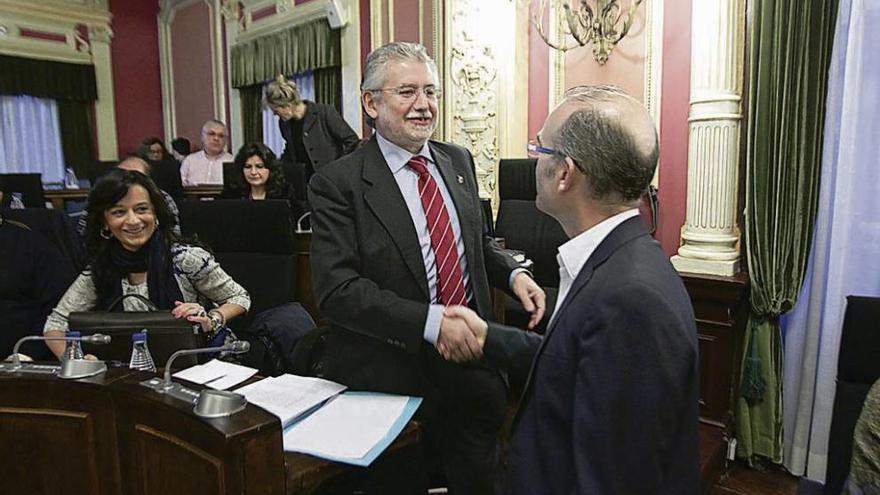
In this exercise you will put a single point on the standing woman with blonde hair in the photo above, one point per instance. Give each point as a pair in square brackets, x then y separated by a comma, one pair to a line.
[315, 134]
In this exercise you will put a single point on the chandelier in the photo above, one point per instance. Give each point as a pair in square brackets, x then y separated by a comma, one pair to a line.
[603, 26]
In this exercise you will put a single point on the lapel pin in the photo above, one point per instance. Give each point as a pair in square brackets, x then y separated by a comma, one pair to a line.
[460, 179]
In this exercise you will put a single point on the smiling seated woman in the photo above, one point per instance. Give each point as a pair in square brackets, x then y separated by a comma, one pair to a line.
[132, 249]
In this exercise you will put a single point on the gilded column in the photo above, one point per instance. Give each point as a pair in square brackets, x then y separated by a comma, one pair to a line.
[105, 106]
[710, 237]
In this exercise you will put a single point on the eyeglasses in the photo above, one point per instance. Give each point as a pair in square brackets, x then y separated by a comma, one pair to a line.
[534, 149]
[410, 93]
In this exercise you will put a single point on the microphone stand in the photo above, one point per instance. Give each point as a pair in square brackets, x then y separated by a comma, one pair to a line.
[76, 368]
[208, 403]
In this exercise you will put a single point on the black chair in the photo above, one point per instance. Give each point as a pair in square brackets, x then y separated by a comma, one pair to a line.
[524, 228]
[253, 242]
[55, 226]
[98, 168]
[858, 367]
[29, 185]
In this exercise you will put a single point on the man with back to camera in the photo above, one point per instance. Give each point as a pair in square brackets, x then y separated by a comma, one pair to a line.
[398, 235]
[611, 401]
[205, 167]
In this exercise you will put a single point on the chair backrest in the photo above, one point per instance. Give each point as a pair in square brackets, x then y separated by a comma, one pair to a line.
[858, 367]
[29, 185]
[236, 225]
[253, 242]
[522, 225]
[98, 168]
[55, 226]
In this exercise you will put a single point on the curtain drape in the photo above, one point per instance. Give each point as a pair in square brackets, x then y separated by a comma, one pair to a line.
[327, 87]
[844, 257]
[789, 54]
[27, 144]
[251, 112]
[76, 124]
[74, 89]
[46, 79]
[306, 47]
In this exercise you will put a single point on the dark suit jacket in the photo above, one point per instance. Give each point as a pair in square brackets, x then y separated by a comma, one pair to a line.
[326, 136]
[611, 402]
[368, 274]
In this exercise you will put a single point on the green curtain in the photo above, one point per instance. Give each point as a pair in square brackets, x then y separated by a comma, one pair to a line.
[327, 87]
[46, 79]
[252, 112]
[789, 55]
[77, 141]
[309, 46]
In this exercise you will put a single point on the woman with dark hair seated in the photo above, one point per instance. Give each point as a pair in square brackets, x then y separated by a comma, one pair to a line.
[133, 249]
[260, 176]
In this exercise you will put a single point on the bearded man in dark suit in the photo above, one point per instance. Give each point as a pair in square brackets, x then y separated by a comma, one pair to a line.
[397, 236]
[611, 398]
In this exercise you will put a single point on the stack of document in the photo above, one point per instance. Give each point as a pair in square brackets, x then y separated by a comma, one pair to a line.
[290, 396]
[218, 375]
[353, 428]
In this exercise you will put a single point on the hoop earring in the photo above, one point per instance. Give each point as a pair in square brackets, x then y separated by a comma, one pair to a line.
[105, 234]
[157, 224]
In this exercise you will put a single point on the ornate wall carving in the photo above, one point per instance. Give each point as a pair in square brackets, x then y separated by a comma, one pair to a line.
[478, 107]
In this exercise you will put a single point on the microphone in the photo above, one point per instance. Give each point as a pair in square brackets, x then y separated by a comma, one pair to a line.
[97, 338]
[234, 347]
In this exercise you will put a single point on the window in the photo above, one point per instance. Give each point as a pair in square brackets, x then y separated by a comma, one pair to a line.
[30, 137]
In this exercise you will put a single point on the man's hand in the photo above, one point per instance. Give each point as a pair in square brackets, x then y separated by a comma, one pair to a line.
[477, 325]
[457, 341]
[531, 296]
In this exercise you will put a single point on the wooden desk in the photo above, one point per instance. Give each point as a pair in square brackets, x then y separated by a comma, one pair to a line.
[110, 435]
[199, 192]
[58, 196]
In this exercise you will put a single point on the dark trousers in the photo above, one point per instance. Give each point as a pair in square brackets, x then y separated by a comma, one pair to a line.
[463, 417]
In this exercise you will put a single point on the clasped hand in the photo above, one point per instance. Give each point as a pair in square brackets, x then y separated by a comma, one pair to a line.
[462, 335]
[463, 332]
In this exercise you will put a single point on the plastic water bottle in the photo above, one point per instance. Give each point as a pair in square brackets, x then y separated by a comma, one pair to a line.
[141, 359]
[16, 202]
[73, 350]
[70, 180]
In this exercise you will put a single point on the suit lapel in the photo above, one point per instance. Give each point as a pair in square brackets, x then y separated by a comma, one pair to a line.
[310, 118]
[385, 200]
[623, 233]
[453, 176]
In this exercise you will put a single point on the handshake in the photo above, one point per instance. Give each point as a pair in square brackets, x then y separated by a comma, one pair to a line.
[462, 335]
[463, 332]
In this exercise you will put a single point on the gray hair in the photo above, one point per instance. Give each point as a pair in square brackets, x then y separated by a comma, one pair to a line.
[377, 61]
[281, 91]
[618, 167]
[213, 121]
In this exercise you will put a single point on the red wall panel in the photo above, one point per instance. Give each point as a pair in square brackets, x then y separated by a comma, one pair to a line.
[675, 97]
[137, 83]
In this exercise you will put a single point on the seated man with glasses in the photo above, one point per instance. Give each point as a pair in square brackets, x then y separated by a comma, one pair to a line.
[205, 167]
[397, 235]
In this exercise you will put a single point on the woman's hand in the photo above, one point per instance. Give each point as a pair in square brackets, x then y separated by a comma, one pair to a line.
[193, 312]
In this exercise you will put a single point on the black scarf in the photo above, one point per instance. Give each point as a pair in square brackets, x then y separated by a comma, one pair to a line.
[155, 259]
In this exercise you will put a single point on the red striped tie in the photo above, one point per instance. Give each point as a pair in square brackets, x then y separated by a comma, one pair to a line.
[449, 277]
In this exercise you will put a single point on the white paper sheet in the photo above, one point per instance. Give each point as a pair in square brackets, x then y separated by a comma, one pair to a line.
[288, 396]
[347, 426]
[218, 375]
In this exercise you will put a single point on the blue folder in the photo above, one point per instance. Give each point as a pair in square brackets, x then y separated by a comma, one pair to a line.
[409, 410]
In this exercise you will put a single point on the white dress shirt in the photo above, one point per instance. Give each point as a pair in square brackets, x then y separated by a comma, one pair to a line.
[574, 254]
[408, 182]
[198, 169]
